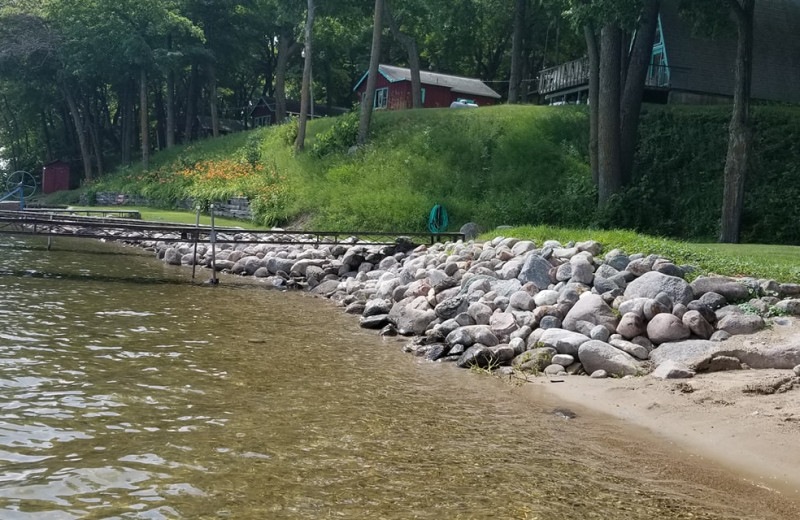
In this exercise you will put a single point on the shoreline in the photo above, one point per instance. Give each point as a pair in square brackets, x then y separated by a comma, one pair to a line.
[444, 299]
[744, 436]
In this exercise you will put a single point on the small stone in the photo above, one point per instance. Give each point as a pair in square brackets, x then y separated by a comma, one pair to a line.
[554, 370]
[672, 370]
[797, 370]
[599, 374]
[564, 360]
[720, 335]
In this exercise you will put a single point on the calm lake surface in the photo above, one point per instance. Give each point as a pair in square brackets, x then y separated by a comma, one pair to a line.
[126, 391]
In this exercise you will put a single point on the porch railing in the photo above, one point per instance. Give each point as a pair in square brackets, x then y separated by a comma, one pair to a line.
[576, 73]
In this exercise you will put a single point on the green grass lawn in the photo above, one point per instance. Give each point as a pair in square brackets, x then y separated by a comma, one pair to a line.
[176, 216]
[776, 262]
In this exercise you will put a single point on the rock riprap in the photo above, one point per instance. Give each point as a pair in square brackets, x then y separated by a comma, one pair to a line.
[557, 308]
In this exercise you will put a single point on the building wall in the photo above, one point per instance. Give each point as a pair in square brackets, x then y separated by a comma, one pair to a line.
[436, 96]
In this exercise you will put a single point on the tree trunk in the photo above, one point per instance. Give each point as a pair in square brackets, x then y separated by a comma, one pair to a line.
[286, 48]
[161, 118]
[191, 105]
[594, 97]
[48, 144]
[305, 96]
[608, 163]
[410, 45]
[372, 76]
[144, 121]
[739, 134]
[91, 125]
[170, 108]
[212, 98]
[631, 105]
[79, 132]
[516, 52]
[126, 123]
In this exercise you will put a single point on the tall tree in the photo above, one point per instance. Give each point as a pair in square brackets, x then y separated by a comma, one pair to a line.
[409, 42]
[372, 76]
[305, 94]
[517, 47]
[740, 136]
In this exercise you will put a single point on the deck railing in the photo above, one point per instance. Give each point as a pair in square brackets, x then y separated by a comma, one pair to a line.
[576, 73]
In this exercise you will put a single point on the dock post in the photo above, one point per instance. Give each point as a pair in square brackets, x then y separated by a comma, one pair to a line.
[50, 236]
[196, 236]
[213, 240]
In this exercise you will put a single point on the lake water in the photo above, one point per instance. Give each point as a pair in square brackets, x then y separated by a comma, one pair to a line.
[126, 391]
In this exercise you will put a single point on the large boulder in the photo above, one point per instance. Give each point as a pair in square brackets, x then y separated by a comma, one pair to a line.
[593, 309]
[412, 315]
[503, 324]
[727, 287]
[597, 355]
[476, 355]
[697, 324]
[741, 323]
[562, 341]
[631, 325]
[664, 328]
[472, 334]
[537, 271]
[650, 284]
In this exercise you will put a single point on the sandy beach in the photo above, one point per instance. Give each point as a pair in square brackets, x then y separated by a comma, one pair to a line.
[747, 420]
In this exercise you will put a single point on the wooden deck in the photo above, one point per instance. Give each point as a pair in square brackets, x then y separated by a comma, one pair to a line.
[41, 223]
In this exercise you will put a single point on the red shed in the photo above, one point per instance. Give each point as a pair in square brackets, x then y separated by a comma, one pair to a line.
[393, 89]
[55, 177]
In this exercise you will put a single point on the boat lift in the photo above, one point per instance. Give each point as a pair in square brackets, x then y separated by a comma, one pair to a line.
[19, 184]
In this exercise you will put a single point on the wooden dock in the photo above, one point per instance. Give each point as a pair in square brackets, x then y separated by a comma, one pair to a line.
[124, 229]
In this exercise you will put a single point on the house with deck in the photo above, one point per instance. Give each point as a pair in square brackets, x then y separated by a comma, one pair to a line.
[393, 89]
[689, 68]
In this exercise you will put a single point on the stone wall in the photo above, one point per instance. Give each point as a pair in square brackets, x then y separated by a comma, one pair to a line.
[237, 207]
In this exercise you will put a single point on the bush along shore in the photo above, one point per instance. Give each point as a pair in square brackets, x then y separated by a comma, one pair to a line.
[552, 308]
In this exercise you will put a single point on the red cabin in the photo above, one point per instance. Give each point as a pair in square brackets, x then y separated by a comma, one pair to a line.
[393, 89]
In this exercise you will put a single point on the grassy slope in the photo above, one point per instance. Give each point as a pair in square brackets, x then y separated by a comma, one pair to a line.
[500, 165]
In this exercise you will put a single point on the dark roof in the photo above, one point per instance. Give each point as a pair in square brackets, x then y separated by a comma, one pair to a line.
[703, 64]
[459, 84]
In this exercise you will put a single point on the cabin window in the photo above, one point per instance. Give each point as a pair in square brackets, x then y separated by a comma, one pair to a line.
[262, 121]
[381, 98]
[423, 97]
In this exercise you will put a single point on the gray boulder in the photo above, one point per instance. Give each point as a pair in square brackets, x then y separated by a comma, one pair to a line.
[664, 328]
[593, 309]
[672, 370]
[697, 324]
[596, 355]
[377, 306]
[631, 325]
[727, 287]
[534, 360]
[172, 256]
[563, 341]
[412, 315]
[503, 324]
[637, 351]
[651, 283]
[452, 307]
[472, 334]
[735, 324]
[476, 355]
[537, 271]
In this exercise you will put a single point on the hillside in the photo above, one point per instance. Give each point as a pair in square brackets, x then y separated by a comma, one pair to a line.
[501, 165]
